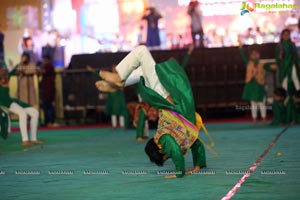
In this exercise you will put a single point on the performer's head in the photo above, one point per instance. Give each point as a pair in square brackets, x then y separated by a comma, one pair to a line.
[193, 4]
[154, 154]
[152, 114]
[151, 10]
[25, 58]
[254, 55]
[285, 35]
[280, 94]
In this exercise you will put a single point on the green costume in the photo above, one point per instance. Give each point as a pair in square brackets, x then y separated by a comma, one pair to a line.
[254, 89]
[279, 113]
[174, 79]
[140, 129]
[115, 103]
[296, 112]
[6, 101]
[286, 58]
[4, 123]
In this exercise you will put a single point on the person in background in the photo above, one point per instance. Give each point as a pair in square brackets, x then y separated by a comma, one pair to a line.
[152, 16]
[254, 89]
[26, 46]
[287, 61]
[115, 104]
[27, 91]
[22, 109]
[4, 123]
[196, 23]
[279, 107]
[140, 38]
[296, 108]
[47, 88]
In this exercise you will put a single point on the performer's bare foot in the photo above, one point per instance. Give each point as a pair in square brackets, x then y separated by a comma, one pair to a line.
[140, 139]
[112, 77]
[194, 170]
[38, 142]
[104, 86]
[27, 144]
[171, 176]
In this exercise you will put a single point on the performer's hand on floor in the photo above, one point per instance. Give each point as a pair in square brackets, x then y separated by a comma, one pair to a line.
[194, 170]
[171, 176]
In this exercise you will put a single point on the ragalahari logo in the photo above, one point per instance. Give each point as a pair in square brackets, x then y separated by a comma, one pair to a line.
[246, 8]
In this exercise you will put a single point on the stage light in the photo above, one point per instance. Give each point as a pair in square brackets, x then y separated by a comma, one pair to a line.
[259, 40]
[183, 2]
[63, 42]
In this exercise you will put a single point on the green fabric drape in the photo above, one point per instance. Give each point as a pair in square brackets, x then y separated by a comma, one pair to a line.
[175, 81]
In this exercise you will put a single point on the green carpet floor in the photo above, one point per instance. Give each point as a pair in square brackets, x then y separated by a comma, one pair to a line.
[117, 159]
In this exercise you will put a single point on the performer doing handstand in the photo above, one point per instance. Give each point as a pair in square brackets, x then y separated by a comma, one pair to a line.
[164, 86]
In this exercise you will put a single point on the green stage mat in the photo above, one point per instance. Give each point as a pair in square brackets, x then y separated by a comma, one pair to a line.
[109, 164]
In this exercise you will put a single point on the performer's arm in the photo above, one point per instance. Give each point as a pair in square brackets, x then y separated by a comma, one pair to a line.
[13, 72]
[243, 55]
[140, 125]
[187, 57]
[146, 14]
[158, 15]
[198, 153]
[172, 149]
[270, 67]
[242, 52]
[94, 71]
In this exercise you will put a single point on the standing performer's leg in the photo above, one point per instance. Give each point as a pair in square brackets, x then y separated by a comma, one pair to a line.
[254, 110]
[284, 83]
[15, 108]
[114, 121]
[262, 108]
[34, 118]
[122, 121]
